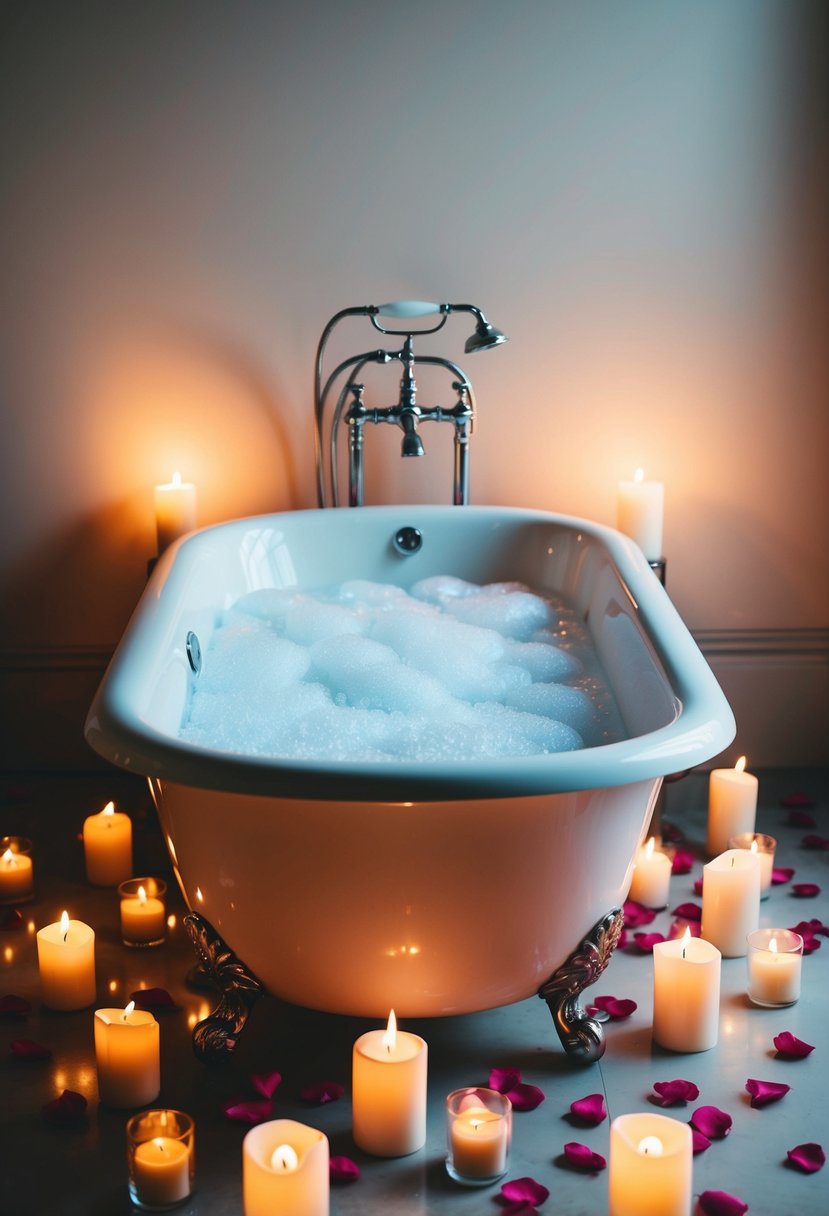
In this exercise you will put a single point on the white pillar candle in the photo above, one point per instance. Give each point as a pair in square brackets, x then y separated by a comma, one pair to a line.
[389, 1091]
[730, 901]
[66, 961]
[16, 872]
[651, 877]
[142, 911]
[107, 845]
[650, 1169]
[774, 965]
[764, 846]
[686, 994]
[127, 1054]
[732, 805]
[175, 510]
[639, 510]
[285, 1170]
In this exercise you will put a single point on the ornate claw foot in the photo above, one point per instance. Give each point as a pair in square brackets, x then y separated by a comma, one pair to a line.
[582, 1036]
[216, 1036]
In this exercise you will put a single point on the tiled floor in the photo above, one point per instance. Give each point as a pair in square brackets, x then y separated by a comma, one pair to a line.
[80, 1170]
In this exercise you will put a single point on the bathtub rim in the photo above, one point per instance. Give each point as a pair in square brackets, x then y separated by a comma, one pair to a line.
[703, 727]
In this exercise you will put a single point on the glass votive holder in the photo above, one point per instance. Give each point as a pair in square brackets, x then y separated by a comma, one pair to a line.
[143, 915]
[17, 883]
[764, 846]
[161, 1159]
[774, 964]
[478, 1134]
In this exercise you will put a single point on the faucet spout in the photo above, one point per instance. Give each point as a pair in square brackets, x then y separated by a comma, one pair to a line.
[412, 443]
[409, 411]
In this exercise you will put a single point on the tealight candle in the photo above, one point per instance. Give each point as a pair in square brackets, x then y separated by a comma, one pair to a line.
[478, 1132]
[651, 877]
[650, 1167]
[774, 964]
[107, 845]
[639, 510]
[66, 961]
[160, 1158]
[730, 900]
[764, 846]
[686, 994]
[389, 1091]
[732, 805]
[16, 870]
[143, 921]
[128, 1056]
[175, 510]
[285, 1170]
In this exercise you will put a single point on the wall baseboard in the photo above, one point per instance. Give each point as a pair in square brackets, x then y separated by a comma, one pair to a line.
[777, 682]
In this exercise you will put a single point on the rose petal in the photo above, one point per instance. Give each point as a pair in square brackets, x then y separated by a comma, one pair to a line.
[580, 1157]
[525, 1097]
[699, 1143]
[322, 1092]
[801, 819]
[615, 1007]
[590, 1110]
[343, 1169]
[647, 941]
[817, 926]
[28, 1049]
[720, 1203]
[807, 1157]
[623, 939]
[781, 874]
[791, 1047]
[153, 1000]
[671, 833]
[525, 1190]
[688, 912]
[249, 1112]
[679, 927]
[712, 1122]
[671, 1093]
[70, 1107]
[11, 919]
[12, 1006]
[266, 1083]
[810, 942]
[814, 842]
[805, 890]
[683, 862]
[636, 914]
[764, 1092]
[798, 799]
[698, 886]
[503, 1079]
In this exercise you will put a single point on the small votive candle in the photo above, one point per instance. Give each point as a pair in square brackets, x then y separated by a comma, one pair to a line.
[161, 1159]
[639, 509]
[764, 846]
[651, 876]
[774, 965]
[143, 919]
[107, 846]
[650, 1171]
[285, 1170]
[66, 960]
[732, 805]
[127, 1054]
[389, 1091]
[16, 870]
[478, 1134]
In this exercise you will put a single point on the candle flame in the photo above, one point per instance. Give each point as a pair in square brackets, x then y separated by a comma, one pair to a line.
[159, 1143]
[8, 859]
[773, 945]
[649, 847]
[284, 1158]
[740, 765]
[639, 475]
[109, 809]
[651, 1146]
[390, 1037]
[753, 848]
[142, 895]
[64, 924]
[685, 939]
[176, 479]
[128, 1011]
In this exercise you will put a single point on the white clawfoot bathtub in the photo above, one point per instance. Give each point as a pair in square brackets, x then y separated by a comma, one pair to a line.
[438, 889]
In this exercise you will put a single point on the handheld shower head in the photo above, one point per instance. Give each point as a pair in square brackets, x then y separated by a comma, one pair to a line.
[484, 338]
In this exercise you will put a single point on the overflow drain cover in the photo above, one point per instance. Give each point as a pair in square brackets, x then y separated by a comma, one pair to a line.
[193, 649]
[408, 540]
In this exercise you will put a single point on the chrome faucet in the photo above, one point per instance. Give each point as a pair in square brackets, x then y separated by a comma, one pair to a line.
[405, 412]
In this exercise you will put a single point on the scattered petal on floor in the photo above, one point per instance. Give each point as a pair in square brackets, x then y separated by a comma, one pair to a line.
[590, 1110]
[720, 1203]
[580, 1157]
[791, 1047]
[712, 1122]
[525, 1190]
[764, 1092]
[69, 1108]
[807, 1157]
[343, 1169]
[28, 1049]
[671, 1093]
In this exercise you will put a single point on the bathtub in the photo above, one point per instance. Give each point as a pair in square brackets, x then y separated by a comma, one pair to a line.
[355, 888]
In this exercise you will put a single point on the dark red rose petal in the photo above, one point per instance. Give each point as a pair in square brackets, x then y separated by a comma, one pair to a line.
[525, 1190]
[252, 1112]
[798, 799]
[807, 1157]
[699, 1142]
[646, 941]
[678, 928]
[688, 911]
[801, 819]
[580, 1157]
[321, 1092]
[815, 842]
[673, 1092]
[504, 1079]
[70, 1107]
[266, 1083]
[817, 926]
[636, 914]
[791, 1047]
[343, 1169]
[671, 833]
[11, 919]
[698, 886]
[805, 890]
[712, 1122]
[764, 1092]
[683, 862]
[720, 1203]
[28, 1049]
[12, 1006]
[525, 1097]
[153, 1000]
[615, 1007]
[782, 874]
[591, 1110]
[810, 942]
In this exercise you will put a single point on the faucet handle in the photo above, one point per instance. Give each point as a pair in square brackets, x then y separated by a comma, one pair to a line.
[408, 308]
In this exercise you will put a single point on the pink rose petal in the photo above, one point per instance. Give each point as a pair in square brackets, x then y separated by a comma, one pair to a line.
[807, 1157]
[764, 1092]
[615, 1007]
[683, 862]
[580, 1157]
[70, 1107]
[12, 1006]
[525, 1190]
[814, 842]
[27, 1049]
[688, 911]
[712, 1122]
[525, 1097]
[805, 890]
[699, 1143]
[504, 1079]
[679, 926]
[720, 1203]
[343, 1169]
[266, 1083]
[671, 1093]
[636, 914]
[810, 942]
[782, 874]
[647, 941]
[322, 1092]
[791, 1047]
[590, 1110]
[698, 886]
[251, 1112]
[153, 1000]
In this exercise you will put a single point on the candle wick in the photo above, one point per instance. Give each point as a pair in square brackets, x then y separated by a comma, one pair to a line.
[66, 934]
[683, 952]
